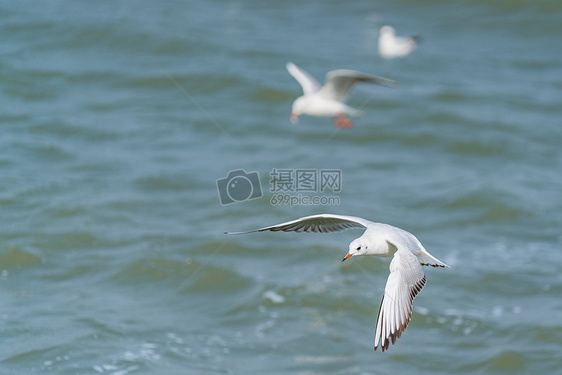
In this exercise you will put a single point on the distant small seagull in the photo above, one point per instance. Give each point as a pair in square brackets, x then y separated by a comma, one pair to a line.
[327, 100]
[406, 277]
[391, 45]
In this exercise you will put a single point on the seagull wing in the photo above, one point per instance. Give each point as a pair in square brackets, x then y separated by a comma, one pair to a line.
[308, 83]
[405, 281]
[338, 83]
[323, 223]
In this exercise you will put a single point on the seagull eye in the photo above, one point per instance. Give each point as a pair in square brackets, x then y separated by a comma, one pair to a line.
[358, 248]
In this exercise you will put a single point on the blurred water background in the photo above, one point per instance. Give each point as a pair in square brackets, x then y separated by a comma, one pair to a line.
[118, 118]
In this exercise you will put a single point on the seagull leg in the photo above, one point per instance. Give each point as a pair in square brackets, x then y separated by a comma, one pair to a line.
[340, 121]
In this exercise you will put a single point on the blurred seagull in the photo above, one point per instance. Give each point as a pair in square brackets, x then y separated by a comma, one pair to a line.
[391, 45]
[327, 100]
[406, 277]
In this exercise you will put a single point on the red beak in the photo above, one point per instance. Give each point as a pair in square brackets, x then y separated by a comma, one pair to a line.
[294, 117]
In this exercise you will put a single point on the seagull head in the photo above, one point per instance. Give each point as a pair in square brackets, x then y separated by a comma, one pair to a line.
[356, 247]
[297, 109]
[387, 30]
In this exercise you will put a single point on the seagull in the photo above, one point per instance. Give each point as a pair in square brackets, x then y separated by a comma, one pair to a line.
[327, 100]
[391, 45]
[406, 277]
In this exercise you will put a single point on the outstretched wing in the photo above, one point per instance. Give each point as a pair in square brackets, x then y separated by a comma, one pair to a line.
[338, 83]
[308, 83]
[323, 223]
[405, 281]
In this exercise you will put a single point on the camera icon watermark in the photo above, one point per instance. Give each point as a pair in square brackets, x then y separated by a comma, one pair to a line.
[239, 186]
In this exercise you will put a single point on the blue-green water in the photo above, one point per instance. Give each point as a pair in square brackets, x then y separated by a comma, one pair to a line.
[118, 118]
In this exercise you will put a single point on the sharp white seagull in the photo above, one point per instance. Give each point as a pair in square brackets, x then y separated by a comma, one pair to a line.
[328, 100]
[406, 277]
[391, 45]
